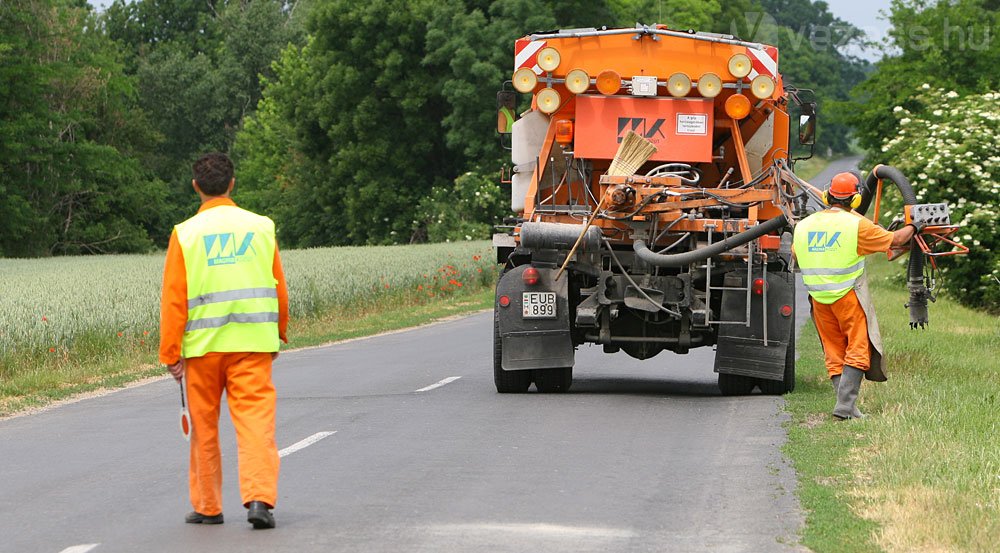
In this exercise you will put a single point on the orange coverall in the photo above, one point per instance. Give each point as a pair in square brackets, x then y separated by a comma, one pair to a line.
[246, 379]
[842, 325]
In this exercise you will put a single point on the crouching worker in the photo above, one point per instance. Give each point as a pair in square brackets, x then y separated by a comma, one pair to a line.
[830, 247]
[223, 311]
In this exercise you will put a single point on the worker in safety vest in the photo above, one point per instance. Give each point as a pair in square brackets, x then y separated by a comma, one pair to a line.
[223, 311]
[830, 247]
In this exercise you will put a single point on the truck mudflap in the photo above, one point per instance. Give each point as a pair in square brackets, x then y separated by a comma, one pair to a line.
[531, 337]
[757, 350]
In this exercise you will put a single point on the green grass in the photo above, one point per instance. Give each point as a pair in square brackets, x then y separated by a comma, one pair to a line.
[922, 472]
[809, 168]
[73, 325]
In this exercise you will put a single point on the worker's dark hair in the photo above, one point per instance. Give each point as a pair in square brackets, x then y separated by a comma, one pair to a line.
[213, 172]
[840, 202]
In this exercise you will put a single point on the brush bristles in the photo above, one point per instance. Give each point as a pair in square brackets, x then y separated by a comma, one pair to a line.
[632, 153]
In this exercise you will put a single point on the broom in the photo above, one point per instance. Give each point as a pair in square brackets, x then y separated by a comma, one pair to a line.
[632, 153]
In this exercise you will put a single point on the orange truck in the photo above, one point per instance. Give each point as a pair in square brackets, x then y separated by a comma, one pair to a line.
[693, 250]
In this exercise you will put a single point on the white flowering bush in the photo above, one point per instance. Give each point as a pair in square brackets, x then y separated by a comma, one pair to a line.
[465, 210]
[947, 147]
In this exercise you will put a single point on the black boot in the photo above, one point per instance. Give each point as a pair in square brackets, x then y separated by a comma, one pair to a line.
[848, 388]
[194, 517]
[259, 515]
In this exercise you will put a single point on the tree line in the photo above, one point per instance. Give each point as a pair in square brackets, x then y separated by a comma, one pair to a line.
[349, 122]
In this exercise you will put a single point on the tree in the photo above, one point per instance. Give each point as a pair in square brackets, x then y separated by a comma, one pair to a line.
[948, 44]
[67, 122]
[198, 64]
[947, 145]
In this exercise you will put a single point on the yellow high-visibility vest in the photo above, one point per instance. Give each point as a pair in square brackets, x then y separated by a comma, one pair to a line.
[232, 292]
[826, 247]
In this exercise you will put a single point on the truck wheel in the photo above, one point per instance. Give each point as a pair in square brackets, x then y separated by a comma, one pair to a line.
[735, 384]
[787, 383]
[550, 381]
[507, 382]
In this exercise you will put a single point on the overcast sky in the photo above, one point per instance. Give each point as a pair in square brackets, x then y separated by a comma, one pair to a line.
[865, 15]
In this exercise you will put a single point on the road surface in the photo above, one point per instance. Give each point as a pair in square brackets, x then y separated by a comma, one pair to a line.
[409, 448]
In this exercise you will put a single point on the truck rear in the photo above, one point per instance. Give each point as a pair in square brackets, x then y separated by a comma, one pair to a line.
[691, 250]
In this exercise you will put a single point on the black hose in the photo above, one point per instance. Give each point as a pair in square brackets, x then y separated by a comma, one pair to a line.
[686, 258]
[915, 268]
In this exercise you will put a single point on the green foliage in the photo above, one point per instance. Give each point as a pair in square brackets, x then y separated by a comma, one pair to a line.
[947, 145]
[198, 66]
[950, 44]
[465, 211]
[677, 14]
[68, 123]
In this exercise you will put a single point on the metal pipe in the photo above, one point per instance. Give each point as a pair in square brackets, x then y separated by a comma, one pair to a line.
[686, 258]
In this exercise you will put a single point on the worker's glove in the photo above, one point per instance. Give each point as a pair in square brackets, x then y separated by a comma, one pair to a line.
[917, 226]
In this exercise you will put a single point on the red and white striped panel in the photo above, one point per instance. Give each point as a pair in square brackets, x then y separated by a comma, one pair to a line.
[526, 54]
[765, 62]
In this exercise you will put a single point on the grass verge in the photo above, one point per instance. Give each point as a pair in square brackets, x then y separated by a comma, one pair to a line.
[81, 372]
[922, 472]
[809, 168]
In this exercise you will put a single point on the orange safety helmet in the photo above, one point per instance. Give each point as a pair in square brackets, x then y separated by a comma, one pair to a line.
[844, 186]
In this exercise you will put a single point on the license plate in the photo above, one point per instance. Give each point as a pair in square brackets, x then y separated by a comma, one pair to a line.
[539, 305]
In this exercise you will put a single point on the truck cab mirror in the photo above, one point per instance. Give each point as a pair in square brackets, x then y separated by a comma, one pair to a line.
[807, 125]
[506, 104]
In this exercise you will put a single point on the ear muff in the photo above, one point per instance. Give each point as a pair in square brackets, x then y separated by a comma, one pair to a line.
[855, 199]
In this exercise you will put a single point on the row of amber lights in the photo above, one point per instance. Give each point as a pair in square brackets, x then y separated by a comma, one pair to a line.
[609, 83]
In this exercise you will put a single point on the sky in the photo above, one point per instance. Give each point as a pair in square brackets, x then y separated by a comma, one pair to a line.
[864, 14]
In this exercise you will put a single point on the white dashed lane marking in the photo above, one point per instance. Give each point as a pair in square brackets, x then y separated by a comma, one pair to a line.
[448, 380]
[80, 548]
[304, 443]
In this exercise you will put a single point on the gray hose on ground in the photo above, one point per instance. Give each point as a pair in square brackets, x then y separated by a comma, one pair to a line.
[701, 254]
[915, 269]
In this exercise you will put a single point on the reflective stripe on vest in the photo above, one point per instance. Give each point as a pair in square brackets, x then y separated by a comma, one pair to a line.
[232, 292]
[826, 247]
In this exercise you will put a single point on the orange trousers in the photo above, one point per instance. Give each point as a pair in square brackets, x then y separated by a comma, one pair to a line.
[246, 379]
[843, 331]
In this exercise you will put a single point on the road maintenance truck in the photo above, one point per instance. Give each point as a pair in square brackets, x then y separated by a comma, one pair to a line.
[691, 246]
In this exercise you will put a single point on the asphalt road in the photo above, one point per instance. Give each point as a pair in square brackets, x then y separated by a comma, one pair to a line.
[639, 456]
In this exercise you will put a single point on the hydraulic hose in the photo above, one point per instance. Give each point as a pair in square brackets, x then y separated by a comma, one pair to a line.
[915, 269]
[701, 254]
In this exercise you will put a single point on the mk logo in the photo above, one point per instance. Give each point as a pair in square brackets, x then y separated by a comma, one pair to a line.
[222, 249]
[821, 241]
[641, 126]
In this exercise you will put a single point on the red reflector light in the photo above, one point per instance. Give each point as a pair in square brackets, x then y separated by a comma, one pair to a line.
[786, 310]
[758, 286]
[530, 276]
[504, 301]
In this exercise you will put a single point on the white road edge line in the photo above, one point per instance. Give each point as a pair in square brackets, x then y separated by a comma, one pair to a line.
[303, 444]
[80, 548]
[448, 380]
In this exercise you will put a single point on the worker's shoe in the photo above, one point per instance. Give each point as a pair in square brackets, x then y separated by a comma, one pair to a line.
[259, 515]
[194, 517]
[848, 386]
[835, 380]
